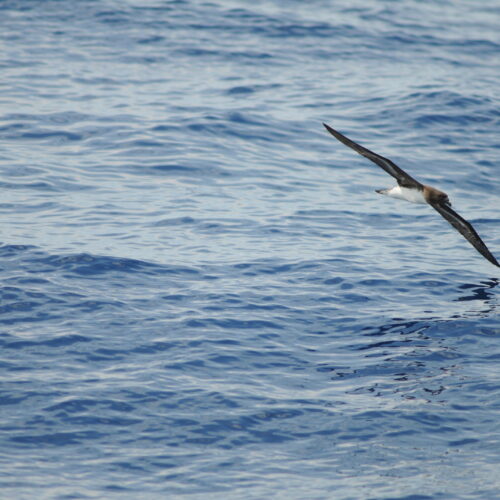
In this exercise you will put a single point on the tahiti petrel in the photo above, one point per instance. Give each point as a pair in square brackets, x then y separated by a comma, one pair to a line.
[411, 190]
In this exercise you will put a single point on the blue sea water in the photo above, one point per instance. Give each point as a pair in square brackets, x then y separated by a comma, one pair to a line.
[201, 294]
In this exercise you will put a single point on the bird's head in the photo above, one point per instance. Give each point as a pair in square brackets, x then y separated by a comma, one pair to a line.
[434, 195]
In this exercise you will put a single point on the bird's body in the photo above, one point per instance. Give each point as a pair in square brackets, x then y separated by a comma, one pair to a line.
[409, 189]
[413, 195]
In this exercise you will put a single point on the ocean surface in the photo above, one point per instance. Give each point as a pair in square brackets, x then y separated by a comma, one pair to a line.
[202, 296]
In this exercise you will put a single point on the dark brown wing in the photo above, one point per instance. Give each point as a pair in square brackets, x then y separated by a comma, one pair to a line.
[465, 229]
[391, 168]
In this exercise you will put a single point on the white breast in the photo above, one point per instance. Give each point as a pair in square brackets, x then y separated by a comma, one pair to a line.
[411, 195]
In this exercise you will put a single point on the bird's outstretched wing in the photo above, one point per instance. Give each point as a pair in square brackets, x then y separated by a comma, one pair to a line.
[465, 229]
[390, 167]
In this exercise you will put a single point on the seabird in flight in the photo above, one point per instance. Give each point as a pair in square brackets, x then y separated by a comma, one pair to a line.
[411, 190]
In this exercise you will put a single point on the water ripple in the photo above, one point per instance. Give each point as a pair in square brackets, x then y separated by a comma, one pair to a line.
[201, 293]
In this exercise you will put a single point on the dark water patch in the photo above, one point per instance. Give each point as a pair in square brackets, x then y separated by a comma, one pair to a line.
[175, 169]
[155, 347]
[32, 186]
[232, 323]
[444, 119]
[14, 250]
[176, 221]
[88, 265]
[447, 98]
[51, 134]
[61, 341]
[151, 40]
[239, 90]
[56, 439]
